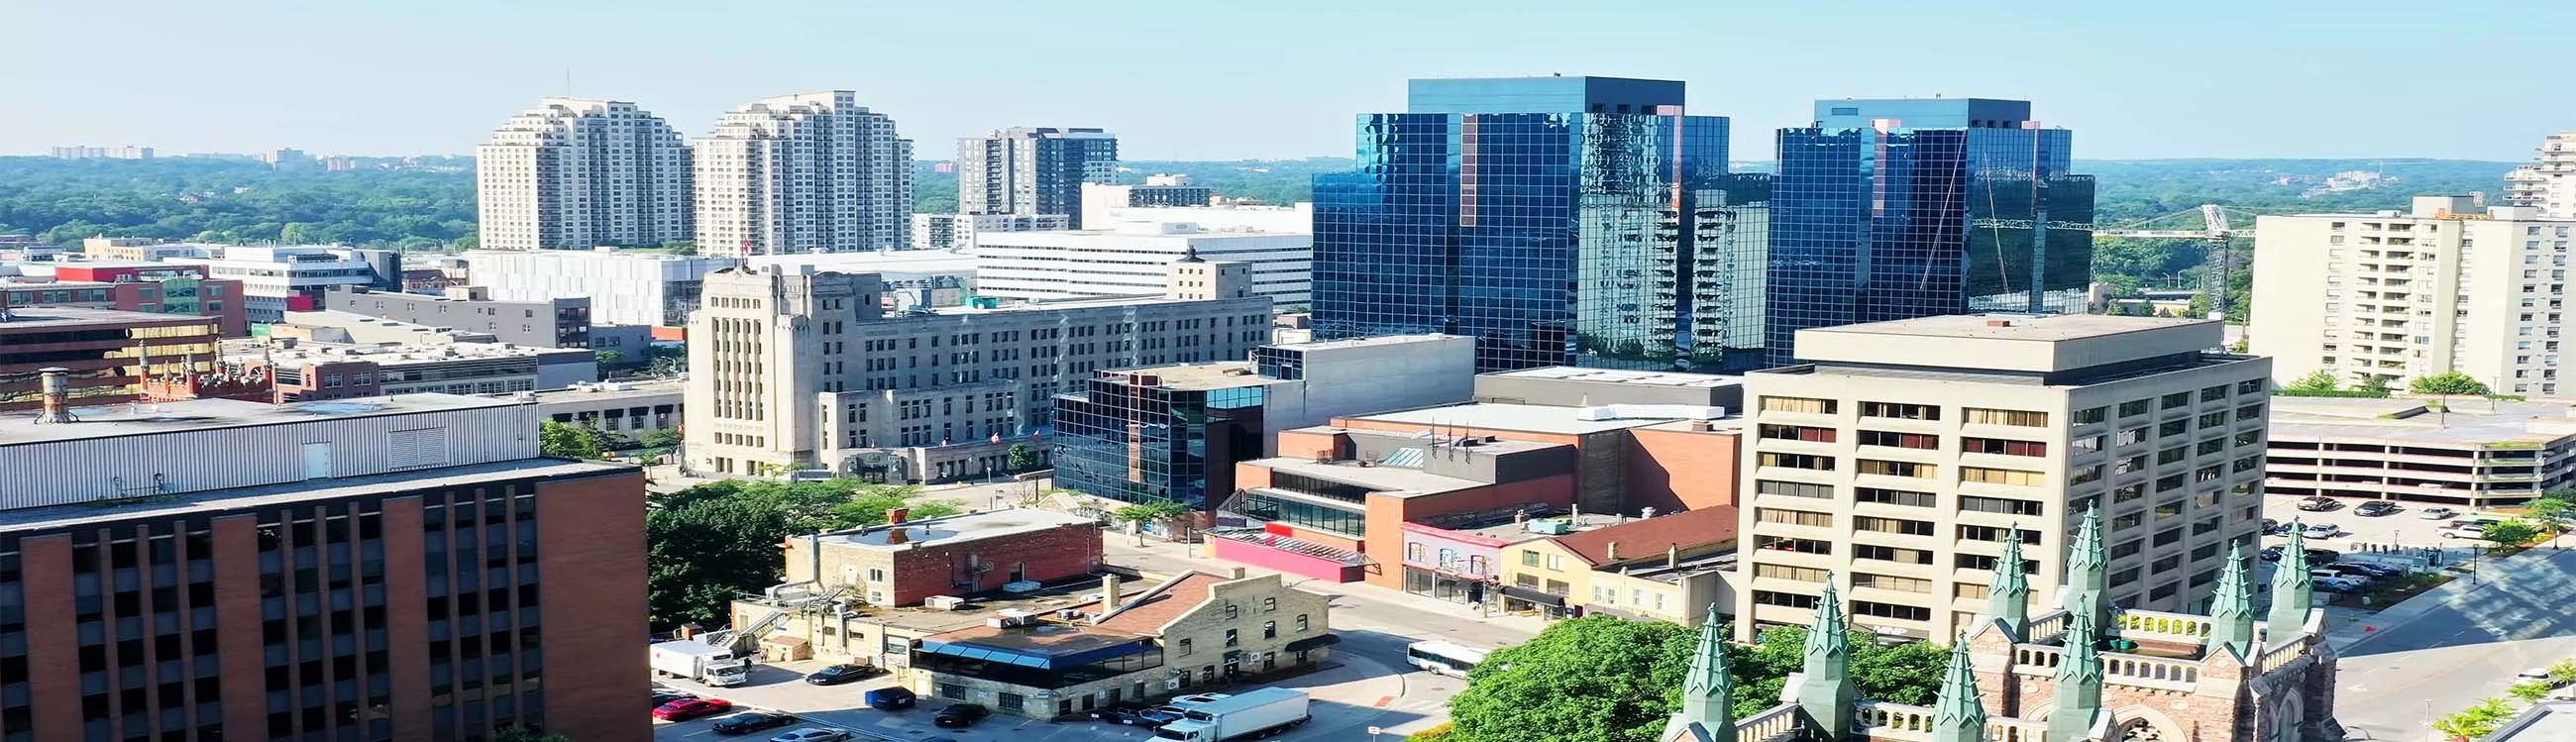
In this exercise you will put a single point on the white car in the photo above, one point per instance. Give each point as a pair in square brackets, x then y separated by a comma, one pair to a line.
[2323, 530]
[811, 734]
[1195, 699]
[2436, 513]
[2536, 673]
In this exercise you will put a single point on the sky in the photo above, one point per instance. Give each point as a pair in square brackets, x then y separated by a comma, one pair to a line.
[1217, 79]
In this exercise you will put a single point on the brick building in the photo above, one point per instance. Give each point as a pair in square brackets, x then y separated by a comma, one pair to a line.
[163, 288]
[907, 561]
[106, 354]
[369, 569]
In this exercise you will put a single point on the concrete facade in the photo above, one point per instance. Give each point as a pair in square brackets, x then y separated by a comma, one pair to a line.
[907, 561]
[624, 288]
[803, 173]
[576, 173]
[2476, 456]
[964, 231]
[562, 322]
[1131, 258]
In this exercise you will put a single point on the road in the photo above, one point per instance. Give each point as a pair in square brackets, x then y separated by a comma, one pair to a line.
[2431, 659]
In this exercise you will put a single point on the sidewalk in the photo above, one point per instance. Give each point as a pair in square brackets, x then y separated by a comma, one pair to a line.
[2347, 627]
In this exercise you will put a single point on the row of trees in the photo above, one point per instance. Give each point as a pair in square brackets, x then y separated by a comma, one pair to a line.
[63, 201]
[2447, 384]
[1606, 679]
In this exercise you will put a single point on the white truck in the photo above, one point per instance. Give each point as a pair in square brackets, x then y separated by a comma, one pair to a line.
[700, 662]
[1252, 714]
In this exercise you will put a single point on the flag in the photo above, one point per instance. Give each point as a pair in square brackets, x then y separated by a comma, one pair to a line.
[997, 437]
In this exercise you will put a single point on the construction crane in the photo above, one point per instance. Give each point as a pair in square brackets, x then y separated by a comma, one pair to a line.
[2216, 238]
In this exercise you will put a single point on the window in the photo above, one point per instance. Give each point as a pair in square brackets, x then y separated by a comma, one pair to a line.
[1890, 610]
[1555, 563]
[1786, 572]
[2085, 445]
[1793, 517]
[2173, 428]
[2091, 415]
[1900, 411]
[1892, 582]
[1798, 433]
[2173, 455]
[1893, 525]
[1895, 497]
[2128, 548]
[1269, 629]
[1984, 562]
[1797, 461]
[2136, 407]
[2177, 400]
[1185, 647]
[1301, 623]
[2131, 437]
[1800, 545]
[1971, 591]
[2007, 506]
[1786, 600]
[2015, 418]
[1891, 554]
[1899, 440]
[2213, 393]
[2014, 477]
[1269, 604]
[1529, 559]
[1794, 489]
[1798, 404]
[2252, 386]
[1231, 639]
[2003, 446]
[1232, 613]
[1991, 533]
[2249, 412]
[2086, 475]
[1899, 469]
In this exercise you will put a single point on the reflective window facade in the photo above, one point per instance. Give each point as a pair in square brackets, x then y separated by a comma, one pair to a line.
[1126, 437]
[1894, 209]
[1559, 221]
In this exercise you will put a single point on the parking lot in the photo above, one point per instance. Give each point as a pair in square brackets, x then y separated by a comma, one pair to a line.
[2406, 527]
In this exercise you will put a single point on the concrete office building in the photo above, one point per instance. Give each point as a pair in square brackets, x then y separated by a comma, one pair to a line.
[562, 322]
[264, 572]
[309, 371]
[144, 249]
[2448, 285]
[276, 280]
[575, 173]
[106, 354]
[803, 173]
[1158, 191]
[959, 231]
[626, 409]
[1134, 258]
[1033, 170]
[625, 288]
[1895, 461]
[1105, 206]
[2544, 184]
[179, 291]
[802, 369]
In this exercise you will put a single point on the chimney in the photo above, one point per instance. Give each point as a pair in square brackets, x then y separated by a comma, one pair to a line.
[1673, 554]
[896, 535]
[896, 516]
[1614, 551]
[1109, 586]
[55, 388]
[1236, 573]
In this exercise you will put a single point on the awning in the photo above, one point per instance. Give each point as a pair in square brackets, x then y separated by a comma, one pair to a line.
[1314, 642]
[1034, 659]
[1533, 596]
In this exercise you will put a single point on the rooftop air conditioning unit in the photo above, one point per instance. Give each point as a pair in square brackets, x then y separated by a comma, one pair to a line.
[944, 602]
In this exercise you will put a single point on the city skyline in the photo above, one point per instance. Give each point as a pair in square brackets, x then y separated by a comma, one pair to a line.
[1261, 85]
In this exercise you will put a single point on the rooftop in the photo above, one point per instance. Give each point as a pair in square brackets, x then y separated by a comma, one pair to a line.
[1065, 304]
[202, 414]
[1214, 375]
[1467, 418]
[1395, 481]
[1652, 536]
[29, 319]
[218, 502]
[2407, 421]
[1509, 525]
[2046, 328]
[1148, 611]
[387, 354]
[1619, 376]
[889, 263]
[1364, 342]
[2013, 344]
[607, 390]
[952, 529]
[2548, 721]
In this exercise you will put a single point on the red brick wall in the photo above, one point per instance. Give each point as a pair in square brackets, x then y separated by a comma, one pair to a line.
[1059, 552]
[1676, 470]
[237, 631]
[53, 643]
[590, 533]
[1387, 515]
[407, 631]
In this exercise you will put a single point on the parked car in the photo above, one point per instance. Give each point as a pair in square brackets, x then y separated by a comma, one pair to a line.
[960, 715]
[2271, 526]
[2269, 553]
[838, 674]
[662, 697]
[812, 734]
[1120, 713]
[2323, 530]
[2375, 508]
[692, 709]
[890, 699]
[2370, 570]
[752, 721]
[2536, 673]
[2318, 504]
[1156, 717]
[2339, 584]
[2468, 532]
[2436, 513]
[2323, 556]
[1194, 699]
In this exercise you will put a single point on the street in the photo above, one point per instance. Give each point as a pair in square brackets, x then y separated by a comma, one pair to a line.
[2436, 655]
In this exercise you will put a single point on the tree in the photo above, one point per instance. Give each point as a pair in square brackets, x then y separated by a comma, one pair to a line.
[2319, 381]
[664, 438]
[568, 441]
[2374, 384]
[2549, 510]
[1589, 679]
[1018, 458]
[714, 542]
[2510, 533]
[610, 357]
[2447, 383]
[2530, 691]
[2476, 721]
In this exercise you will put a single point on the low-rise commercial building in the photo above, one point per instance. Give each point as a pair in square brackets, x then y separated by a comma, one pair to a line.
[2477, 454]
[964, 231]
[279, 279]
[624, 287]
[905, 562]
[1660, 568]
[626, 409]
[1335, 504]
[1177, 201]
[307, 371]
[217, 299]
[105, 354]
[561, 322]
[1134, 258]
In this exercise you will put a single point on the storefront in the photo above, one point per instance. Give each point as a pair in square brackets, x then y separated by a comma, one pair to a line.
[1453, 588]
[1551, 607]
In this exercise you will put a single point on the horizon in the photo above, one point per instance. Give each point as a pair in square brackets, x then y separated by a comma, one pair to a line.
[2285, 81]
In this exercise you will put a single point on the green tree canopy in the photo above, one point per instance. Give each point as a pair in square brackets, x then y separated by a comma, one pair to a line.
[1018, 458]
[2477, 721]
[2317, 381]
[2447, 383]
[569, 441]
[2510, 533]
[714, 542]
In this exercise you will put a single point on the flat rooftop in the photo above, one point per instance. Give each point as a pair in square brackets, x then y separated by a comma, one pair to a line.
[2021, 327]
[2549, 721]
[203, 414]
[1365, 342]
[602, 391]
[2407, 421]
[1621, 376]
[30, 319]
[1394, 481]
[1526, 418]
[1213, 375]
[891, 262]
[2012, 343]
[952, 529]
[389, 354]
[1069, 593]
[217, 502]
[1064, 304]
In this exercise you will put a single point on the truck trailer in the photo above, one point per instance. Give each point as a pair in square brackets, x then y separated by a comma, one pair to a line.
[700, 662]
[1253, 714]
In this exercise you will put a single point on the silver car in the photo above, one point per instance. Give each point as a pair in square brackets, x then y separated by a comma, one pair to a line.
[811, 734]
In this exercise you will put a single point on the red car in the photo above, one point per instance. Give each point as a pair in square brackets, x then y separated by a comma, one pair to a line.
[692, 708]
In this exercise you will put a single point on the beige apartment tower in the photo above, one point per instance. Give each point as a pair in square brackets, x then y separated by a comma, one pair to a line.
[577, 173]
[2448, 285]
[1896, 460]
[803, 173]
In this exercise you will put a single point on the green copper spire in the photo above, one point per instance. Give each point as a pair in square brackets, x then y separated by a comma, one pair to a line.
[2079, 681]
[2231, 611]
[1960, 714]
[1826, 694]
[2292, 589]
[2008, 596]
[1708, 694]
[2087, 565]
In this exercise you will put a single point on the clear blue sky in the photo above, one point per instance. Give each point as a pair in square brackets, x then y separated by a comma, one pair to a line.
[1210, 80]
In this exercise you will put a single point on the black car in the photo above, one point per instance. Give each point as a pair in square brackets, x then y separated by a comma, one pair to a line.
[666, 696]
[890, 699]
[838, 674]
[2367, 571]
[1123, 713]
[2375, 508]
[960, 715]
[2322, 557]
[752, 721]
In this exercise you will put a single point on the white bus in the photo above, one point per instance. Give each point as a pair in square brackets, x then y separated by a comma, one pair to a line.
[1444, 658]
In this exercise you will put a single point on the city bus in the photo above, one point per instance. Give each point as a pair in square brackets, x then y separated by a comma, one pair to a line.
[1444, 658]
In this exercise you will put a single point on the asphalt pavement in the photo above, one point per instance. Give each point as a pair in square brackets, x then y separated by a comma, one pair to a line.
[2460, 643]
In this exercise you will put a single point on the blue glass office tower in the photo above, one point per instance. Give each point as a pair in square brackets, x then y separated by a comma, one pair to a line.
[1558, 220]
[1893, 209]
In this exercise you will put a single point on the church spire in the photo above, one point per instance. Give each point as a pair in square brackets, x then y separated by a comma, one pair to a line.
[1708, 694]
[2293, 591]
[2231, 611]
[1825, 693]
[2079, 680]
[1960, 714]
[2008, 596]
[2087, 565]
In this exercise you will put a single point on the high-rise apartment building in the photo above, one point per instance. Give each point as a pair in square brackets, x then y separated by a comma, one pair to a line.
[2448, 285]
[1033, 170]
[576, 173]
[1898, 457]
[393, 569]
[1558, 220]
[803, 173]
[797, 368]
[1893, 209]
[2546, 183]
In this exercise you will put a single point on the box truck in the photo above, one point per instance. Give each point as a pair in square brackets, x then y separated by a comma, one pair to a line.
[1248, 715]
[701, 662]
